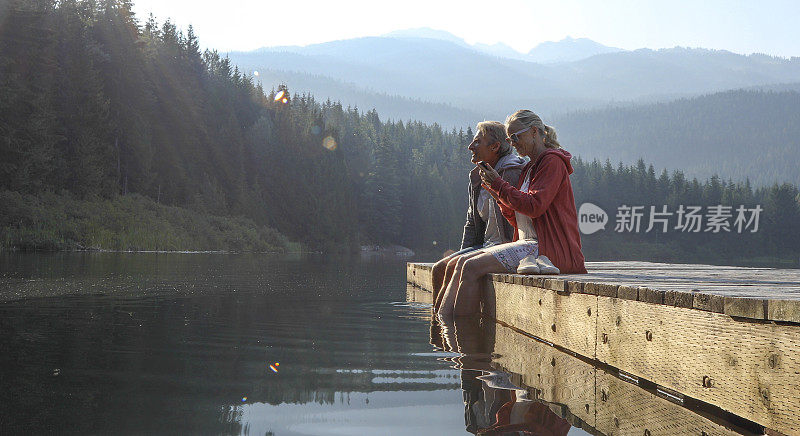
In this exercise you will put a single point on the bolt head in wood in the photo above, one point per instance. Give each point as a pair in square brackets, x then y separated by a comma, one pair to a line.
[764, 394]
[773, 361]
[648, 335]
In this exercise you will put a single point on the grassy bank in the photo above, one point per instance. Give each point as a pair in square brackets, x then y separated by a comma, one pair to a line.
[132, 222]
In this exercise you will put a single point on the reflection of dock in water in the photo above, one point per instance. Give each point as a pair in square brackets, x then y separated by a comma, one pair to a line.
[644, 348]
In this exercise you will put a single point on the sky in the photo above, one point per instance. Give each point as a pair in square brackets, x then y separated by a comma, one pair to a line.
[765, 26]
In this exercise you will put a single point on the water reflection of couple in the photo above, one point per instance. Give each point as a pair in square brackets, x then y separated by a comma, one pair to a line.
[535, 199]
[492, 404]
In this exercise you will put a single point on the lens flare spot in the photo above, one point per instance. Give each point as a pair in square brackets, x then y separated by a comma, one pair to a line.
[329, 143]
[244, 399]
[434, 242]
[315, 130]
[279, 96]
[274, 367]
[255, 73]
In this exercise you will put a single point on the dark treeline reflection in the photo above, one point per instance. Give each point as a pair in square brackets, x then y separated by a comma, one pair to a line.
[493, 405]
[187, 363]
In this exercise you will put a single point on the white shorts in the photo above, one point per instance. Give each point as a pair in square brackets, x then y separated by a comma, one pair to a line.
[510, 254]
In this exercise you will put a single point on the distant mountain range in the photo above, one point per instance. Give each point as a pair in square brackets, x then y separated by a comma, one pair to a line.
[388, 106]
[673, 107]
[566, 50]
[437, 67]
[740, 134]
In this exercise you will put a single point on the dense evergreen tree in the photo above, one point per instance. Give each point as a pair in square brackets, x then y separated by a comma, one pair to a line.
[94, 105]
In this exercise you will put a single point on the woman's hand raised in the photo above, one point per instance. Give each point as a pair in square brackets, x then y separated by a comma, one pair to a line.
[488, 174]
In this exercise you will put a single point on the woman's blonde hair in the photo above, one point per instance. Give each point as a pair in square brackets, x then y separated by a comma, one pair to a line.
[526, 118]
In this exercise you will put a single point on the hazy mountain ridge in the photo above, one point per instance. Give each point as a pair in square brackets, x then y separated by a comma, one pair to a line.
[566, 50]
[427, 69]
[390, 107]
[436, 80]
[427, 32]
[437, 70]
[735, 134]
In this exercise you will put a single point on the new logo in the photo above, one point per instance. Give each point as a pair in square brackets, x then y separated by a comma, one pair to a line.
[591, 218]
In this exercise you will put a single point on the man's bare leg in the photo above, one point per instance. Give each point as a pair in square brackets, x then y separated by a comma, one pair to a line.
[448, 276]
[438, 275]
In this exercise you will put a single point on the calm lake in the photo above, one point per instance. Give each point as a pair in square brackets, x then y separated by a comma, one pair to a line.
[154, 343]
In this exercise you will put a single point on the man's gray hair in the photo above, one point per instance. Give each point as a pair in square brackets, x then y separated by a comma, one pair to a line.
[496, 132]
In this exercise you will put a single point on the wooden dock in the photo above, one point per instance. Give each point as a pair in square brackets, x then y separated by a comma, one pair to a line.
[725, 337]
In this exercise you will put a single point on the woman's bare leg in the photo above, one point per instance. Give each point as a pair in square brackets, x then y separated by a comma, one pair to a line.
[468, 297]
[448, 297]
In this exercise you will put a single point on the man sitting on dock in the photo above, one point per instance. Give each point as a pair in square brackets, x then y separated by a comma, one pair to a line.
[485, 224]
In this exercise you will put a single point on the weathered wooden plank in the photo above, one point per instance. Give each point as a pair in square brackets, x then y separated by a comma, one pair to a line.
[654, 296]
[420, 275]
[755, 308]
[628, 292]
[575, 286]
[604, 289]
[678, 285]
[678, 299]
[556, 376]
[411, 273]
[626, 409]
[783, 310]
[598, 399]
[555, 284]
[709, 302]
[749, 369]
[418, 295]
[567, 320]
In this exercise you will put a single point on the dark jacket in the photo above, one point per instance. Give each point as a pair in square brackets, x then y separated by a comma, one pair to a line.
[509, 167]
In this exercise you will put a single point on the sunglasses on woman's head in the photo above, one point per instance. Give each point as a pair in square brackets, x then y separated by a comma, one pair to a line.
[514, 137]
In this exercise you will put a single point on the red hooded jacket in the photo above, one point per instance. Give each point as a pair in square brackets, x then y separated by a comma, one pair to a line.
[551, 205]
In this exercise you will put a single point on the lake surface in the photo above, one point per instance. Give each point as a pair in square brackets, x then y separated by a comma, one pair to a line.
[154, 343]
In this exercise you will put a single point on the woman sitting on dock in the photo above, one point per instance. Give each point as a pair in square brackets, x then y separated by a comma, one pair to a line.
[541, 208]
